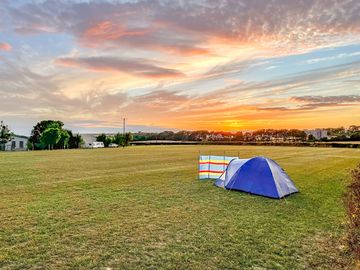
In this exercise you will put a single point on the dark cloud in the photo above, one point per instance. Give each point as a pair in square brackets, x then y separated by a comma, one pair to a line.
[137, 67]
[306, 103]
[328, 99]
[306, 107]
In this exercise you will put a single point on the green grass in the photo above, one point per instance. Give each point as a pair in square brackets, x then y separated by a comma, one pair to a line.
[143, 207]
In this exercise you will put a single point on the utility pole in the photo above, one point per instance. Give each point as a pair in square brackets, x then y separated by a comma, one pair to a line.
[124, 122]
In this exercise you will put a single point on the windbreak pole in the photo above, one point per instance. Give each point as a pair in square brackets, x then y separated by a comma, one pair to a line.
[209, 164]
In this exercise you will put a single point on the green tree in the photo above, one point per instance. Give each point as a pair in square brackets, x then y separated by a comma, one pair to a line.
[50, 137]
[67, 138]
[311, 138]
[5, 135]
[105, 139]
[101, 138]
[119, 139]
[39, 128]
[75, 141]
[355, 136]
[182, 135]
[140, 136]
[108, 140]
[123, 140]
[64, 139]
[127, 138]
[198, 135]
[239, 136]
[166, 135]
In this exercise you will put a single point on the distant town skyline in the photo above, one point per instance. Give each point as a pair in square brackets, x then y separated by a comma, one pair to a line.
[180, 65]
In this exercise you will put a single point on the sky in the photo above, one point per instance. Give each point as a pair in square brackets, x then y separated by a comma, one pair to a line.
[174, 64]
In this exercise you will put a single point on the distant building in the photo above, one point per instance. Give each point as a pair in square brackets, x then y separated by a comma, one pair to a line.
[88, 140]
[277, 139]
[317, 133]
[18, 143]
[214, 137]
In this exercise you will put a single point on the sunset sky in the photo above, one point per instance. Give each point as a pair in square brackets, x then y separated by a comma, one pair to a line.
[216, 65]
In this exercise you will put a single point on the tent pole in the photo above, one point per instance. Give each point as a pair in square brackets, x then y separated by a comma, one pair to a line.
[224, 162]
[199, 164]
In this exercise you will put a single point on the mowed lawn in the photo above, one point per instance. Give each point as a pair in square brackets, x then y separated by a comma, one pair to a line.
[143, 208]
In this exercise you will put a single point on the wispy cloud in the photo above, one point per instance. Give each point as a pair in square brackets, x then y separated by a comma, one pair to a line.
[137, 67]
[329, 58]
[328, 99]
[186, 27]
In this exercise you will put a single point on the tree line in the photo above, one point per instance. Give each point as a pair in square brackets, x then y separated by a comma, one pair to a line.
[342, 134]
[202, 135]
[119, 139]
[51, 134]
[334, 134]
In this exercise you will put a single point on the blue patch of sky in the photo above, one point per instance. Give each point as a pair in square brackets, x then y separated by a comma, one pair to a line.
[44, 45]
[281, 67]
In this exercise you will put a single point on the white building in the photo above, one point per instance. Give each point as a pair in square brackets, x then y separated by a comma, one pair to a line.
[18, 143]
[317, 133]
[88, 139]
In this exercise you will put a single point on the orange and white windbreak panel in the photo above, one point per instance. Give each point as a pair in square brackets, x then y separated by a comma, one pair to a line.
[212, 167]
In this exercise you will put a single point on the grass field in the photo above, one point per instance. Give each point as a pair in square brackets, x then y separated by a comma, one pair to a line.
[143, 207]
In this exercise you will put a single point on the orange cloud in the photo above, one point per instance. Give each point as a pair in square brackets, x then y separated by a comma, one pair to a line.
[153, 38]
[104, 31]
[5, 47]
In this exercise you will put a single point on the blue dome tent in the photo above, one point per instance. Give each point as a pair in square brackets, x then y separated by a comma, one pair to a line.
[231, 169]
[258, 175]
